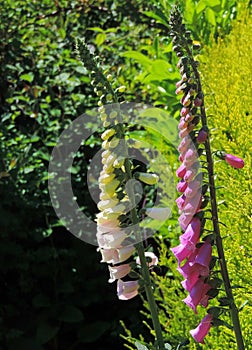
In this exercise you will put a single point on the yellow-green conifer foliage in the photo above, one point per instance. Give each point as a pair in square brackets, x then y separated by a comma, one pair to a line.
[227, 72]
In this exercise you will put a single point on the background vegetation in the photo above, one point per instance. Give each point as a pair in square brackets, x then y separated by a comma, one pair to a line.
[52, 285]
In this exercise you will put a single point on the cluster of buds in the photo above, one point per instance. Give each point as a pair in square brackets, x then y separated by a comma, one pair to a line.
[113, 239]
[194, 256]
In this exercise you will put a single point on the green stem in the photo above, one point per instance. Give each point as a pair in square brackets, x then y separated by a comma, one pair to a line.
[144, 266]
[214, 209]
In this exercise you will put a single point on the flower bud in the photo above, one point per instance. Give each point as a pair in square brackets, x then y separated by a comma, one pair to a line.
[202, 135]
[150, 179]
[107, 134]
[234, 161]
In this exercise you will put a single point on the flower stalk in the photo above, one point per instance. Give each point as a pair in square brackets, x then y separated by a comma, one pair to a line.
[112, 234]
[193, 94]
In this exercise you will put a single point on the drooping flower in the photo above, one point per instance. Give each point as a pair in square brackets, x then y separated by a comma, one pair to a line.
[203, 329]
[116, 255]
[197, 294]
[118, 272]
[127, 290]
[234, 161]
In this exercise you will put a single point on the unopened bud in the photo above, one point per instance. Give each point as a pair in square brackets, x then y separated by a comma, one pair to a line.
[150, 179]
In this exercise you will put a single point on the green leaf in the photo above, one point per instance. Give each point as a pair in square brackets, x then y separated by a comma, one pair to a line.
[217, 322]
[41, 300]
[210, 16]
[158, 16]
[140, 346]
[161, 70]
[213, 3]
[46, 331]
[70, 314]
[215, 311]
[189, 12]
[138, 56]
[95, 29]
[89, 333]
[224, 301]
[100, 38]
[62, 78]
[160, 120]
[168, 346]
[27, 77]
[201, 6]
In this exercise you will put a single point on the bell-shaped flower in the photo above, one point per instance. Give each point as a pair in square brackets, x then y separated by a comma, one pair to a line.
[192, 232]
[192, 279]
[106, 204]
[203, 329]
[204, 256]
[116, 256]
[181, 171]
[184, 220]
[202, 135]
[182, 124]
[110, 187]
[127, 290]
[181, 201]
[192, 205]
[185, 144]
[197, 293]
[193, 188]
[106, 178]
[183, 251]
[184, 111]
[182, 185]
[117, 272]
[110, 240]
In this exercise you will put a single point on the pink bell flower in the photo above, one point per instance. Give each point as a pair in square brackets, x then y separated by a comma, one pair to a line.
[184, 220]
[192, 205]
[202, 330]
[189, 282]
[192, 188]
[204, 256]
[197, 293]
[192, 232]
[234, 161]
[181, 171]
[127, 290]
[181, 201]
[117, 272]
[182, 124]
[115, 256]
[184, 144]
[112, 239]
[183, 251]
[182, 186]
